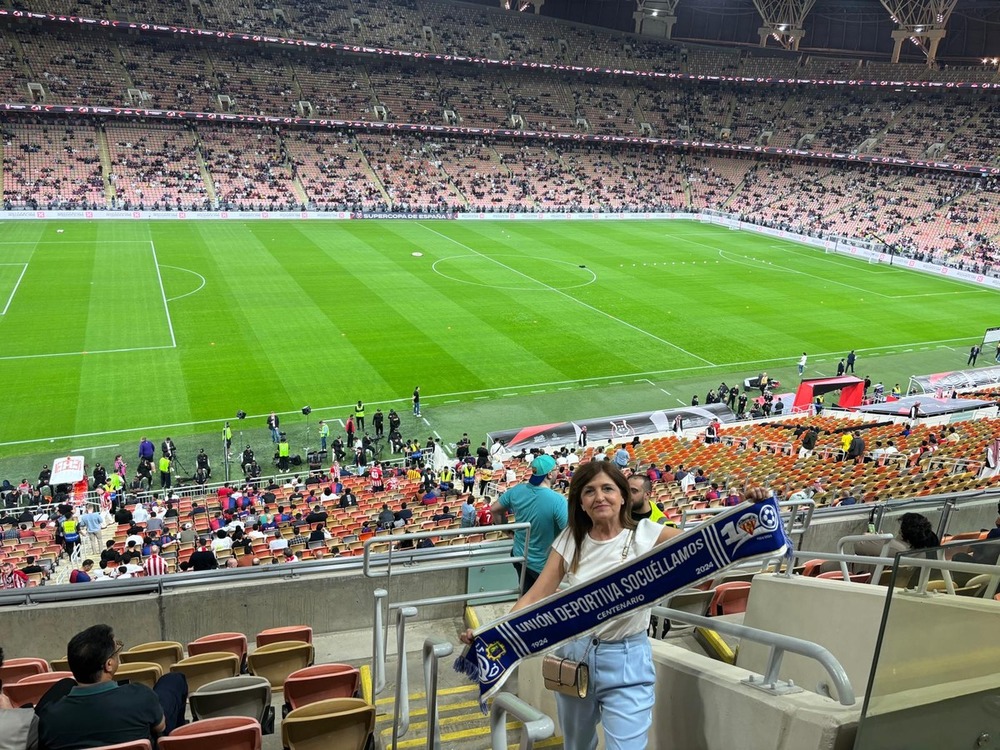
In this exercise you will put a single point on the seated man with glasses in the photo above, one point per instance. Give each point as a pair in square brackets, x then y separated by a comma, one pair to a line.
[97, 710]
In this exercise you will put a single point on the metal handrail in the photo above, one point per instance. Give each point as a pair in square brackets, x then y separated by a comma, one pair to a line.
[852, 538]
[52, 592]
[467, 561]
[371, 571]
[843, 559]
[911, 560]
[378, 644]
[435, 649]
[537, 726]
[401, 707]
[779, 644]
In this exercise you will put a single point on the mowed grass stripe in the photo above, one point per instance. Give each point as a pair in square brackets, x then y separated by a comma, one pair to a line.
[587, 308]
[569, 332]
[392, 323]
[279, 295]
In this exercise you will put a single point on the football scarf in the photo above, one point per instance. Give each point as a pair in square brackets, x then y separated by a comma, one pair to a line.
[740, 534]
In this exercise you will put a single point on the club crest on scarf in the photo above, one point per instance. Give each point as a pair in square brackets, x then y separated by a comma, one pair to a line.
[739, 532]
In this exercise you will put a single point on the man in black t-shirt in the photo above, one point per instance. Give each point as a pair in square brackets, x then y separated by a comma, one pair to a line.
[97, 710]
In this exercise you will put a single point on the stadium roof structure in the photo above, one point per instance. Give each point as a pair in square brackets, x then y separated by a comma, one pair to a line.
[923, 31]
[929, 407]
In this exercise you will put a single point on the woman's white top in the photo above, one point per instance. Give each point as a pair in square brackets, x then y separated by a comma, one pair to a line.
[596, 558]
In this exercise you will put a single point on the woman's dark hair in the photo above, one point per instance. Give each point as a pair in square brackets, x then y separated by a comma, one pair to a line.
[579, 522]
[88, 651]
[916, 531]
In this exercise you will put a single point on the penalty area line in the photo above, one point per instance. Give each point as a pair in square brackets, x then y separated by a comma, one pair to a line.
[13, 291]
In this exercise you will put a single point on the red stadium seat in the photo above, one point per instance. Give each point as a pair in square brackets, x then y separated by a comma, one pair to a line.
[730, 598]
[222, 733]
[321, 682]
[14, 670]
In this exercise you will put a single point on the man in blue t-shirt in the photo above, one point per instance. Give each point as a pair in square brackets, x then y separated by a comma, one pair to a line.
[538, 504]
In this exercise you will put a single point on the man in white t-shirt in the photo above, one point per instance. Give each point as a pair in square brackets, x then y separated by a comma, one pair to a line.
[221, 541]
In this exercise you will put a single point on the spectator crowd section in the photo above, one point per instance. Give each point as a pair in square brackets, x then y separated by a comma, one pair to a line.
[898, 463]
[936, 216]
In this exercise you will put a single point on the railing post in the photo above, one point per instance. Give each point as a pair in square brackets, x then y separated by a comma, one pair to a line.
[378, 644]
[401, 707]
[435, 648]
[537, 726]
[773, 665]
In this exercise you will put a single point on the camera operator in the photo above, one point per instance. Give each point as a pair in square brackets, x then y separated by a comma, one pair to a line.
[168, 449]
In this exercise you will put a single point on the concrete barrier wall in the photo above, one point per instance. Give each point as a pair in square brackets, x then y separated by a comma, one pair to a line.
[330, 602]
[842, 617]
[701, 705]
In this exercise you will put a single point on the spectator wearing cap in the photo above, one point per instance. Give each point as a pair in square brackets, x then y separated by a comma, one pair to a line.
[187, 535]
[534, 502]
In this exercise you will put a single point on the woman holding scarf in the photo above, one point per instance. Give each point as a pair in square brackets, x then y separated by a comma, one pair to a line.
[601, 535]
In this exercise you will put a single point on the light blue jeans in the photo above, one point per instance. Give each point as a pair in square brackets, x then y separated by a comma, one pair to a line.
[620, 696]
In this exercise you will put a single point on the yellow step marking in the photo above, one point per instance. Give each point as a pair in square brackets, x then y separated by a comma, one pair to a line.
[449, 737]
[423, 696]
[550, 742]
[443, 708]
[471, 618]
[366, 683]
[451, 721]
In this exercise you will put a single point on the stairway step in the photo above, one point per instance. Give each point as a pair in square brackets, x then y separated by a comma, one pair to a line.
[471, 689]
[446, 737]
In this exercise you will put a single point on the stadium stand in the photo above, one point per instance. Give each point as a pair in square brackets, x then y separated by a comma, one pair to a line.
[111, 163]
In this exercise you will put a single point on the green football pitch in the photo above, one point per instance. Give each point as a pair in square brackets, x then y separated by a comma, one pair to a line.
[110, 330]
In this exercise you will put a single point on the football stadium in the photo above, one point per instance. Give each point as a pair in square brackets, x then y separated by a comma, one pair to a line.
[639, 359]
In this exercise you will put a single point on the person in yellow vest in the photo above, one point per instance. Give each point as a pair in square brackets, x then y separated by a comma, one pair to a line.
[483, 476]
[446, 481]
[468, 478]
[165, 469]
[640, 492]
[70, 533]
[359, 416]
[283, 453]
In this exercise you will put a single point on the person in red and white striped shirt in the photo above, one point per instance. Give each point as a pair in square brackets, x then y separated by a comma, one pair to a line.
[11, 578]
[155, 565]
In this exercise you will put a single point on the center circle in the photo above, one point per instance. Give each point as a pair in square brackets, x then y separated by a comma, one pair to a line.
[457, 264]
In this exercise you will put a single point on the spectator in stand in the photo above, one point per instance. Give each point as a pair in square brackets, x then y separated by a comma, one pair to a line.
[155, 565]
[97, 710]
[468, 511]
[10, 577]
[278, 543]
[534, 502]
[82, 574]
[640, 491]
[202, 558]
[915, 533]
[444, 515]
